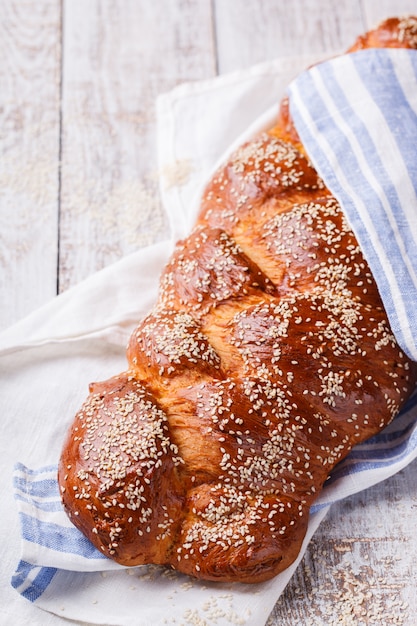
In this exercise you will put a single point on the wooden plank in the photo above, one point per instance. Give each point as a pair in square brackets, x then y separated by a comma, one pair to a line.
[252, 32]
[29, 144]
[375, 12]
[360, 567]
[118, 56]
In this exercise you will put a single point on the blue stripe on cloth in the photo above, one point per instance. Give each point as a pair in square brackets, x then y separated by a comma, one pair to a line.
[58, 538]
[32, 589]
[31, 487]
[393, 446]
[402, 447]
[384, 187]
[37, 488]
[386, 446]
[324, 160]
[402, 114]
[399, 429]
[387, 438]
[356, 116]
[388, 455]
[410, 405]
[349, 468]
[377, 460]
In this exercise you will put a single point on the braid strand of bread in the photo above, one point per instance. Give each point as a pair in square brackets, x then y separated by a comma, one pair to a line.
[267, 357]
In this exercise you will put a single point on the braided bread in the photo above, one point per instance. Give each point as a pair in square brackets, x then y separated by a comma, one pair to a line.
[266, 358]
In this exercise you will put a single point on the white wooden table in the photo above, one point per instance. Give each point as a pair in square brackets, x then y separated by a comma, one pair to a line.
[78, 190]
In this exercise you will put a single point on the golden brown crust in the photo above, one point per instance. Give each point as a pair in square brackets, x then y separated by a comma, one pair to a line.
[395, 32]
[267, 357]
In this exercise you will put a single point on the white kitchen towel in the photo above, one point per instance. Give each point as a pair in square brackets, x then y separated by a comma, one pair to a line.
[357, 118]
[48, 359]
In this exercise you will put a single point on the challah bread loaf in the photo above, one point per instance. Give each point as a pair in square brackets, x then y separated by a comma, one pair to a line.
[267, 357]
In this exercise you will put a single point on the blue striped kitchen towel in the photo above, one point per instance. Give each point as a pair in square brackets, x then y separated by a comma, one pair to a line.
[357, 118]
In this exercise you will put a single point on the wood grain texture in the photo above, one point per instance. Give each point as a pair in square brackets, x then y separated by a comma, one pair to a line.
[118, 56]
[375, 12]
[249, 32]
[360, 567]
[29, 144]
